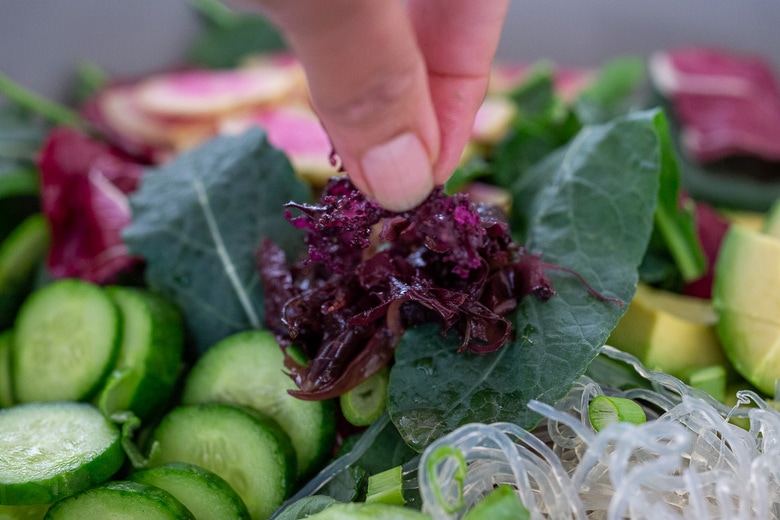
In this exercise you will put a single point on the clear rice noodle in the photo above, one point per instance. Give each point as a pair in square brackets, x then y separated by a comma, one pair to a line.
[687, 461]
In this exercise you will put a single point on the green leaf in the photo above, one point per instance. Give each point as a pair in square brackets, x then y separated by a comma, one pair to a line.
[89, 79]
[232, 36]
[52, 111]
[199, 221]
[613, 92]
[543, 124]
[676, 223]
[588, 208]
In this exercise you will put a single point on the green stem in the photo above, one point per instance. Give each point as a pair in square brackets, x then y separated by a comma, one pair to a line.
[50, 110]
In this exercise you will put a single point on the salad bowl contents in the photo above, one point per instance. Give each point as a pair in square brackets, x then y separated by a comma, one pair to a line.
[571, 327]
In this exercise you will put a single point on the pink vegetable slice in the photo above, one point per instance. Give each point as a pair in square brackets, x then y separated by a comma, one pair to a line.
[728, 104]
[207, 93]
[296, 131]
[117, 112]
[84, 187]
[492, 120]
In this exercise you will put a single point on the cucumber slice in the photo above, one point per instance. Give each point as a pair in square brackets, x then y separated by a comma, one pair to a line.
[248, 369]
[150, 353]
[6, 389]
[246, 449]
[65, 340]
[120, 499]
[20, 255]
[203, 492]
[52, 450]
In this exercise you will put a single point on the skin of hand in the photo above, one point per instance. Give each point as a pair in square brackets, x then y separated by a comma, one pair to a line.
[396, 84]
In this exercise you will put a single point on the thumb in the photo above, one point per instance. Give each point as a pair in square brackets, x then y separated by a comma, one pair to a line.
[368, 83]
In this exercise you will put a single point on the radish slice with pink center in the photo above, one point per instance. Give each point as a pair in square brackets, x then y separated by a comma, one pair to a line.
[120, 112]
[298, 133]
[288, 64]
[201, 93]
[492, 120]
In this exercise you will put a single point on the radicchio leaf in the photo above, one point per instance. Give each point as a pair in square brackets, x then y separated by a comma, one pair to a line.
[84, 187]
[728, 104]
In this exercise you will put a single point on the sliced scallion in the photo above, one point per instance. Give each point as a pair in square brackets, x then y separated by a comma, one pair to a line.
[604, 410]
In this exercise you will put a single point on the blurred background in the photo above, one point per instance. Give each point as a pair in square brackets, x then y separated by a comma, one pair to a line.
[41, 41]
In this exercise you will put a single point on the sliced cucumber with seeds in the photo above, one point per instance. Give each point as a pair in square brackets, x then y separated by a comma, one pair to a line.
[120, 499]
[52, 450]
[65, 340]
[207, 495]
[248, 369]
[249, 451]
[150, 353]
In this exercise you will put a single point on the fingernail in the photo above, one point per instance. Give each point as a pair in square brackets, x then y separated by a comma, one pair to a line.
[398, 172]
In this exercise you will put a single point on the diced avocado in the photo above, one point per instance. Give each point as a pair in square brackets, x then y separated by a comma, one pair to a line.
[669, 332]
[746, 298]
[754, 220]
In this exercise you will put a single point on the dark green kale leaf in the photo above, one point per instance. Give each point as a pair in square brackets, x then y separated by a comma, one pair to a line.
[589, 208]
[198, 222]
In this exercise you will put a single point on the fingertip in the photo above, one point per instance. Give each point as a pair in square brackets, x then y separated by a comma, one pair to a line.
[398, 172]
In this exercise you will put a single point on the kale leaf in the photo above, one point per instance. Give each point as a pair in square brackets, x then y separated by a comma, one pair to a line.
[589, 207]
[198, 222]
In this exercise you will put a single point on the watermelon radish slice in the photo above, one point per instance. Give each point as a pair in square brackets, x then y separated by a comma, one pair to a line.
[298, 132]
[118, 112]
[203, 93]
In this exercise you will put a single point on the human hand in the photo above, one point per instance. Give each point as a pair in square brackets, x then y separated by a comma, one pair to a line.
[396, 85]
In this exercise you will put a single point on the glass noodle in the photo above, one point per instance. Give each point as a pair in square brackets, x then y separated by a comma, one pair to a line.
[687, 461]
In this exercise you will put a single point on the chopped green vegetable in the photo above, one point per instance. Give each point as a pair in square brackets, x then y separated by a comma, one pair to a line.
[605, 410]
[386, 487]
[366, 402]
[711, 379]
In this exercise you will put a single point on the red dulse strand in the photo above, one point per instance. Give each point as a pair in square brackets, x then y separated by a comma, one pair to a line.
[348, 302]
